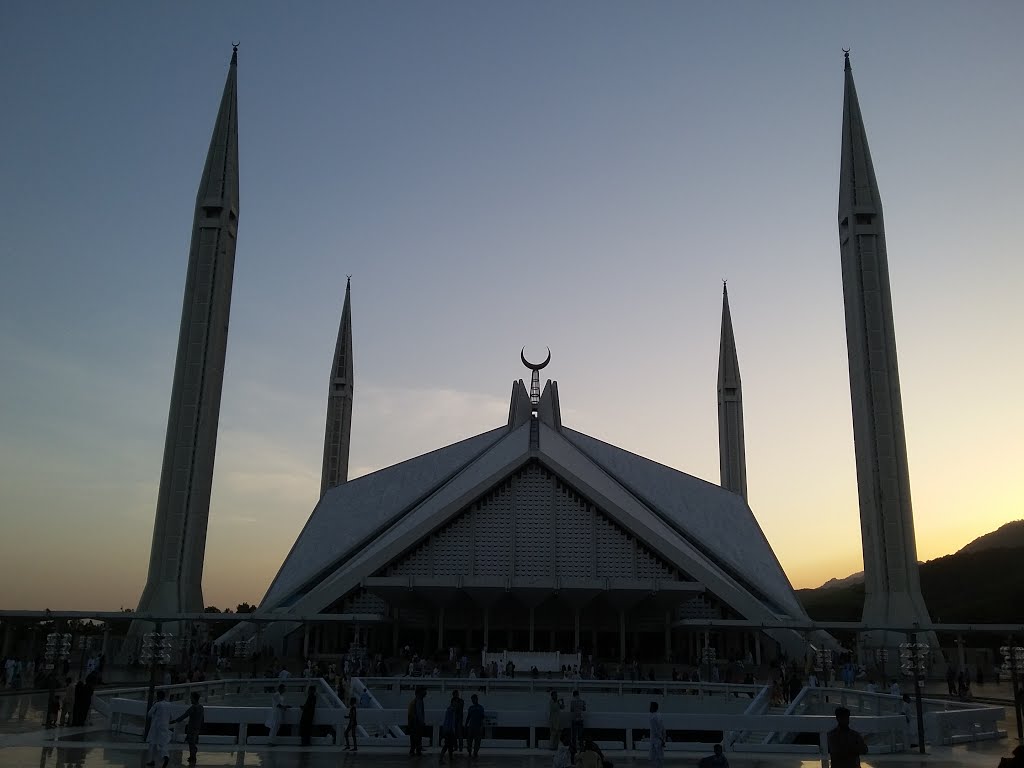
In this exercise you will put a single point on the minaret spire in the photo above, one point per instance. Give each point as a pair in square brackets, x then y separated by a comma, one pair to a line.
[731, 453]
[183, 503]
[892, 585]
[338, 432]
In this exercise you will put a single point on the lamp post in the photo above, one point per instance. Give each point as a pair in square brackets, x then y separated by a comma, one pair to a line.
[882, 661]
[156, 649]
[1013, 664]
[913, 658]
[823, 664]
[710, 656]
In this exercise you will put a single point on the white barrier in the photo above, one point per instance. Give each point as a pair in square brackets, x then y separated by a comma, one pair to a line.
[527, 727]
[544, 661]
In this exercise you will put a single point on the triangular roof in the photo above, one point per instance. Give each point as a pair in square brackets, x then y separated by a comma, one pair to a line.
[697, 530]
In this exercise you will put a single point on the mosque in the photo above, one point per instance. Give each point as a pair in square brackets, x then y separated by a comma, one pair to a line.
[533, 536]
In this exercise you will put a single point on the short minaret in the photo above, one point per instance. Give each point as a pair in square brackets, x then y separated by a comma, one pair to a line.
[338, 433]
[892, 586]
[731, 453]
[183, 504]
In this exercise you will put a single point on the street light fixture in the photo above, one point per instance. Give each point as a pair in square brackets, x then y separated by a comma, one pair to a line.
[710, 657]
[913, 662]
[156, 649]
[1013, 665]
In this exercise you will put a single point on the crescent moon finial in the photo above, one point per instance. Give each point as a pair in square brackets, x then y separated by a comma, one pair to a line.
[535, 366]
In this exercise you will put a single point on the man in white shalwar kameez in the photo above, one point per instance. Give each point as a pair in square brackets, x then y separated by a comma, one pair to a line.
[159, 736]
[276, 717]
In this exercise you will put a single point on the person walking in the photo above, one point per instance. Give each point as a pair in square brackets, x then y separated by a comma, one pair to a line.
[577, 707]
[845, 745]
[460, 705]
[415, 721]
[195, 716]
[67, 706]
[159, 735]
[656, 750]
[448, 731]
[474, 726]
[307, 716]
[555, 707]
[353, 725]
[276, 716]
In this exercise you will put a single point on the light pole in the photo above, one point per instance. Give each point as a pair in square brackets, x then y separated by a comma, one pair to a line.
[1013, 663]
[823, 664]
[912, 658]
[156, 649]
[882, 662]
[710, 656]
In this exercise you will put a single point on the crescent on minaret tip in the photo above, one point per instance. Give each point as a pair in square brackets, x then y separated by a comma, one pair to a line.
[535, 366]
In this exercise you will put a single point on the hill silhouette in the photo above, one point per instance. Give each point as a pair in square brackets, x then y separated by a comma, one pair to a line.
[1010, 535]
[981, 583]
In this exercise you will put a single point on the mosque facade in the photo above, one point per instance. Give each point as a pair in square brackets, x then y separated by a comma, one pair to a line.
[532, 535]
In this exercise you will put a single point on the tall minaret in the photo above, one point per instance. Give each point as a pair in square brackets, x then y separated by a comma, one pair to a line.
[731, 454]
[892, 587]
[338, 433]
[183, 505]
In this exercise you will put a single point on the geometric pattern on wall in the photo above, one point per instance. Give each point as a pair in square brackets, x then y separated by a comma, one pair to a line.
[532, 525]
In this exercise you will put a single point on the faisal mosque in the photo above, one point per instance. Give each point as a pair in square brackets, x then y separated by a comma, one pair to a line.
[533, 536]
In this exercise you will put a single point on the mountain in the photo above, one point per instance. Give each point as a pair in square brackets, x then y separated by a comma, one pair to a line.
[1010, 535]
[853, 578]
[981, 583]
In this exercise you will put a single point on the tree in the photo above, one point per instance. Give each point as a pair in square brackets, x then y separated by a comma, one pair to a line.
[245, 608]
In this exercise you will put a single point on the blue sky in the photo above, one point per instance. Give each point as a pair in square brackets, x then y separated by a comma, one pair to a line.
[579, 175]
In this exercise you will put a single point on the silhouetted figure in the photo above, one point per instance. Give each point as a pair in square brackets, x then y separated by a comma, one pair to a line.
[845, 745]
[306, 718]
[353, 724]
[717, 760]
[1017, 761]
[658, 736]
[80, 708]
[195, 717]
[474, 726]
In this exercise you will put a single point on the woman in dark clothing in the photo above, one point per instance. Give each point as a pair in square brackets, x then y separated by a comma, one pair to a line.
[78, 714]
[306, 718]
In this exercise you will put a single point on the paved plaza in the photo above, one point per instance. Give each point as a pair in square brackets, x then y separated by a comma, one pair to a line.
[25, 743]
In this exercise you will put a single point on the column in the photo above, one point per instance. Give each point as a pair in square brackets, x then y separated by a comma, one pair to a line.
[487, 626]
[668, 636]
[576, 628]
[757, 648]
[396, 622]
[305, 641]
[622, 635]
[532, 625]
[961, 654]
[440, 627]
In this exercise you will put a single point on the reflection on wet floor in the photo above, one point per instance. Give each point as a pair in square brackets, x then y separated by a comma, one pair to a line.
[125, 756]
[24, 744]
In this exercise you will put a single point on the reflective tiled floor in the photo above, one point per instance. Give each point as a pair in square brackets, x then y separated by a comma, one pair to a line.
[24, 743]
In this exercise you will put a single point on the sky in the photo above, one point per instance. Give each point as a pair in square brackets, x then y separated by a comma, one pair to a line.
[573, 175]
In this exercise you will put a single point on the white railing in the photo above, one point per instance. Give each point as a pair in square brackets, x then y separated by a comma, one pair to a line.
[527, 727]
[544, 661]
[540, 685]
